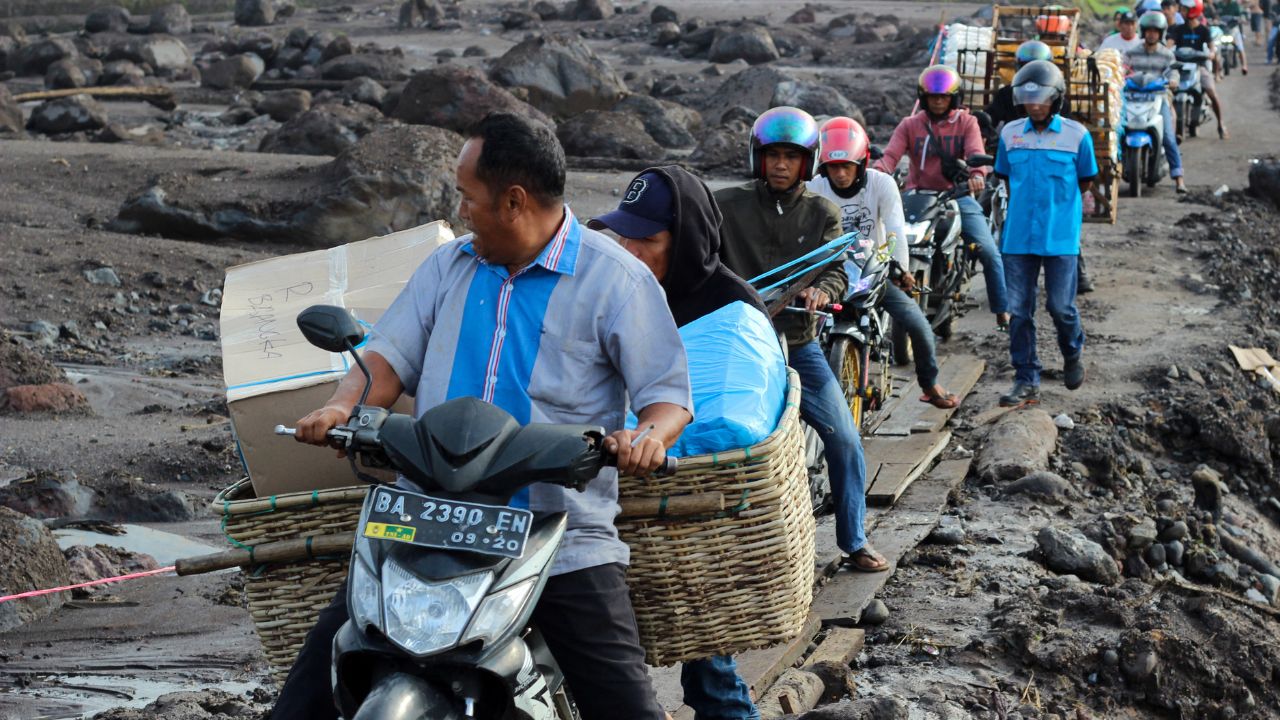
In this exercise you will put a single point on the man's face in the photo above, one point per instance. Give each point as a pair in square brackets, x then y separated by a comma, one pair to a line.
[1193, 23]
[1170, 13]
[1038, 111]
[1151, 36]
[1127, 28]
[842, 175]
[782, 166]
[938, 104]
[479, 208]
[654, 251]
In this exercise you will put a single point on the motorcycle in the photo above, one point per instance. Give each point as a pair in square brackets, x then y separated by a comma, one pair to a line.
[442, 582]
[1188, 101]
[860, 330]
[1224, 42]
[1144, 160]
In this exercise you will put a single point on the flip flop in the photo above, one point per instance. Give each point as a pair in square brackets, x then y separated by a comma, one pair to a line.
[947, 402]
[865, 560]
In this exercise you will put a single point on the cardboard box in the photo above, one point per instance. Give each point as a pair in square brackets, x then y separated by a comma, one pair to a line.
[274, 376]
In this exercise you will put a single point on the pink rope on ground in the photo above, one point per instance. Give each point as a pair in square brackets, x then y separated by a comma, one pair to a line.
[103, 581]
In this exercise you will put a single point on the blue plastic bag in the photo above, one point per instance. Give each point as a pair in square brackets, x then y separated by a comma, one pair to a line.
[739, 380]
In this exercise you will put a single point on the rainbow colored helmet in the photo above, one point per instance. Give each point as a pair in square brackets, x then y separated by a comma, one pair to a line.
[1032, 50]
[784, 125]
[939, 80]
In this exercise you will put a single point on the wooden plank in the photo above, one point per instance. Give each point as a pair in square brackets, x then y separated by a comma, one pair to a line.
[893, 478]
[759, 668]
[843, 599]
[907, 415]
[841, 645]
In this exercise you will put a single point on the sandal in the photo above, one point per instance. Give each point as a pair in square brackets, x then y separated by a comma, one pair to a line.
[944, 402]
[865, 560]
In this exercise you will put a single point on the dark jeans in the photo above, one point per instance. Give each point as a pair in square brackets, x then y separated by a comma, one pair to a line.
[974, 228]
[586, 619]
[714, 691]
[823, 407]
[907, 313]
[1022, 272]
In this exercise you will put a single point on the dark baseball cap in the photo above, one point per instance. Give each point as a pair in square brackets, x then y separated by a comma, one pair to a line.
[1126, 16]
[647, 208]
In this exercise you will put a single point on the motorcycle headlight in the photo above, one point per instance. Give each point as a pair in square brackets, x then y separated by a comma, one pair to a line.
[499, 611]
[860, 287]
[366, 603]
[426, 617]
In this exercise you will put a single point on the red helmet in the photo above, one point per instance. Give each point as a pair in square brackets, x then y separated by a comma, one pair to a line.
[842, 140]
[1196, 10]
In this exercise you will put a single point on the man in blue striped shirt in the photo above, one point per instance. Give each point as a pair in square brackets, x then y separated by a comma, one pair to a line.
[551, 322]
[1049, 163]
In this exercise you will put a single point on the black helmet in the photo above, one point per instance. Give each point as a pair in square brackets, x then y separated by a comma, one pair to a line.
[1039, 82]
[1153, 20]
[1126, 15]
[1032, 50]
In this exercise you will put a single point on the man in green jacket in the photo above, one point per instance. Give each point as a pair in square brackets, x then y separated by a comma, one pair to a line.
[771, 221]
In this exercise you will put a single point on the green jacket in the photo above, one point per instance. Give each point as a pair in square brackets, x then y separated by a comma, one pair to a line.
[763, 230]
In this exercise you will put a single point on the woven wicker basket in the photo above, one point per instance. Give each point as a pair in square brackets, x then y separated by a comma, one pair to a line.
[286, 598]
[740, 580]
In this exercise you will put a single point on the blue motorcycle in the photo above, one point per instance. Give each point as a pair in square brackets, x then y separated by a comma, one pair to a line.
[1144, 160]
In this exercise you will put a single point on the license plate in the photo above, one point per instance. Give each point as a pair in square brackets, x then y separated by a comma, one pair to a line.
[417, 519]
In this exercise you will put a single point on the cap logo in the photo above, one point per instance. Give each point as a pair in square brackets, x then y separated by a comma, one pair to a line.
[635, 190]
[838, 154]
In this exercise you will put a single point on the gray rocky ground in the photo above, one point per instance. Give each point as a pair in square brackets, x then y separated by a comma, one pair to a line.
[1125, 570]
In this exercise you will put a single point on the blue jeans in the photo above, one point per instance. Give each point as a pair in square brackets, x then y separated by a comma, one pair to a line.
[714, 690]
[974, 228]
[1023, 274]
[907, 313]
[1171, 151]
[823, 407]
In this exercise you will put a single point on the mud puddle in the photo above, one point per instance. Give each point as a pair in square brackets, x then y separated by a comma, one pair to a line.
[165, 547]
[70, 697]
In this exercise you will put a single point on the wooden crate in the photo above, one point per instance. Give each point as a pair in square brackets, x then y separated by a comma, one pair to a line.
[1106, 193]
[1015, 24]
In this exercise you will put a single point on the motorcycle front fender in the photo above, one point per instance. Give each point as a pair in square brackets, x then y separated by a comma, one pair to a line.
[400, 696]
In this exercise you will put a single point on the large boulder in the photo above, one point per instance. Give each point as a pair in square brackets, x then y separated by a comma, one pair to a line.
[56, 398]
[327, 129]
[590, 10]
[752, 43]
[562, 75]
[35, 58]
[8, 48]
[170, 20]
[1264, 180]
[108, 19]
[599, 133]
[10, 112]
[1069, 552]
[165, 54]
[814, 99]
[29, 560]
[752, 88]
[364, 90]
[1018, 445]
[73, 73]
[67, 115]
[415, 13]
[455, 97]
[670, 124]
[255, 13]
[235, 72]
[722, 148]
[121, 72]
[91, 562]
[379, 66]
[284, 105]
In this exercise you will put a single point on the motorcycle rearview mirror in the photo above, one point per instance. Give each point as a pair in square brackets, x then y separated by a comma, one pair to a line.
[876, 152]
[332, 328]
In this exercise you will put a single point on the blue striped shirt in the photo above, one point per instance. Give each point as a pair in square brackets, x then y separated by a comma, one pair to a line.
[564, 340]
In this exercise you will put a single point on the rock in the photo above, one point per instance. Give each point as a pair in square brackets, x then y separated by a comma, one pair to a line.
[456, 98]
[415, 13]
[1173, 551]
[121, 72]
[752, 43]
[1042, 485]
[591, 10]
[1176, 530]
[255, 13]
[891, 707]
[264, 46]
[1139, 665]
[87, 563]
[1264, 180]
[1064, 422]
[665, 34]
[108, 19]
[364, 90]
[663, 14]
[144, 135]
[1068, 551]
[326, 129]
[29, 560]
[235, 72]
[803, 16]
[35, 58]
[284, 105]
[1254, 595]
[600, 133]
[72, 73]
[56, 398]
[878, 31]
[814, 99]
[518, 19]
[341, 46]
[546, 10]
[1270, 588]
[67, 115]
[875, 613]
[562, 75]
[1143, 534]
[751, 89]
[381, 67]
[474, 51]
[1156, 556]
[670, 124]
[195, 705]
[102, 276]
[170, 20]
[1017, 445]
[721, 149]
[837, 680]
[10, 112]
[948, 532]
[793, 691]
[163, 53]
[1209, 489]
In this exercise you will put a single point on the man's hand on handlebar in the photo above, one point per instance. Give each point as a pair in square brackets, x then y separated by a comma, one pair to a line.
[906, 281]
[977, 183]
[647, 456]
[312, 428]
[814, 299]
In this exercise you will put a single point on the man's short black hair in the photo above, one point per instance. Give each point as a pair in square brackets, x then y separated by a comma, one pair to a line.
[519, 151]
